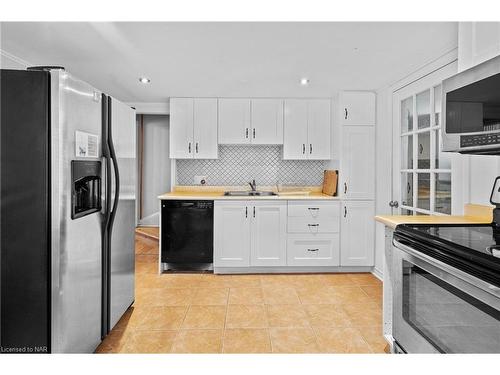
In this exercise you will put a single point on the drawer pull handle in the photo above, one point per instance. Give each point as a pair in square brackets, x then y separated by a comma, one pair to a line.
[313, 208]
[312, 249]
[313, 225]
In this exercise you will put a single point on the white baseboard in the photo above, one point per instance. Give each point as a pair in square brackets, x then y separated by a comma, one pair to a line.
[378, 274]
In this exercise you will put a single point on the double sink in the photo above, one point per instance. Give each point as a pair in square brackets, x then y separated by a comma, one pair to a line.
[249, 193]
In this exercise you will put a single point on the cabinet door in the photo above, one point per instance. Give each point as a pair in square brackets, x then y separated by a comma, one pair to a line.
[295, 129]
[357, 171]
[358, 108]
[357, 233]
[234, 121]
[205, 129]
[268, 234]
[318, 130]
[232, 234]
[267, 121]
[181, 128]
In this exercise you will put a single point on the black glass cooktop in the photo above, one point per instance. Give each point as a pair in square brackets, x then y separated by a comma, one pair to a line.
[472, 248]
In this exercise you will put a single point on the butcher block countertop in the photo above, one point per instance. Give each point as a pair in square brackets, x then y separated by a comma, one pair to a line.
[217, 193]
[473, 214]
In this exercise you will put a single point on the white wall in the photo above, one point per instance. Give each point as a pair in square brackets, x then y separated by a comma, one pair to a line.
[8, 61]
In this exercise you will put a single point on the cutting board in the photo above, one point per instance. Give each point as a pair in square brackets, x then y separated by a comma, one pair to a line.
[330, 178]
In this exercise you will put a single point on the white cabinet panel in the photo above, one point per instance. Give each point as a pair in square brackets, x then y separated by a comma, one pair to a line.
[234, 121]
[124, 129]
[313, 250]
[357, 171]
[307, 129]
[357, 233]
[267, 121]
[318, 129]
[295, 129]
[181, 128]
[205, 128]
[358, 108]
[268, 234]
[232, 234]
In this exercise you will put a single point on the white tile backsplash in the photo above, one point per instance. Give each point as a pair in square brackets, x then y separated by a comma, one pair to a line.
[237, 165]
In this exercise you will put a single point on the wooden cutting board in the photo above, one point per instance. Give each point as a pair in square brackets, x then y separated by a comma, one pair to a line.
[330, 178]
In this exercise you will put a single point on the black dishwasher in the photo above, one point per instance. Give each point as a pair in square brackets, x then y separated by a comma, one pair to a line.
[187, 234]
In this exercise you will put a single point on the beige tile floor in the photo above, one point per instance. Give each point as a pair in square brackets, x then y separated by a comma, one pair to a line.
[206, 313]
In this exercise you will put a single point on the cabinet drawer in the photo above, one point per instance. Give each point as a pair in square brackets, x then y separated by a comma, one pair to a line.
[316, 210]
[313, 226]
[313, 250]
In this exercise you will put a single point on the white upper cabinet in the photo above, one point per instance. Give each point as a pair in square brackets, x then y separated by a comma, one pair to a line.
[477, 42]
[295, 129]
[357, 233]
[193, 128]
[181, 128]
[205, 128]
[268, 234]
[234, 121]
[267, 121]
[318, 130]
[357, 164]
[357, 108]
[307, 129]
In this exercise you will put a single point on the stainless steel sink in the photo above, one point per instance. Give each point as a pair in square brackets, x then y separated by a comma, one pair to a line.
[249, 193]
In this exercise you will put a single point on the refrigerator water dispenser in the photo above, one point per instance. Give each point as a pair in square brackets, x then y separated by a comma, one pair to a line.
[85, 188]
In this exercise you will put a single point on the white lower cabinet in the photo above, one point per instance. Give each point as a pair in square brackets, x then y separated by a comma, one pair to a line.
[231, 234]
[249, 233]
[357, 228]
[268, 234]
[313, 250]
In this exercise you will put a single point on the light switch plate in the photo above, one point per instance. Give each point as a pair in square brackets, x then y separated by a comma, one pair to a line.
[200, 180]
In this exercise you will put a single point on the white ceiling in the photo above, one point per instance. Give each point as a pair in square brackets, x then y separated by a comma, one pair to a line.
[231, 59]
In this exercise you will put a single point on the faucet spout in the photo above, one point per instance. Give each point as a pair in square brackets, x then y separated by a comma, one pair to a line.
[253, 185]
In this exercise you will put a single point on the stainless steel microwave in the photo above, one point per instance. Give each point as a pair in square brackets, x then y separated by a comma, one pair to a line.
[471, 110]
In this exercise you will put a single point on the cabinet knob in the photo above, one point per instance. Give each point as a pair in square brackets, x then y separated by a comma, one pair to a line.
[345, 187]
[345, 211]
[246, 133]
[310, 148]
[312, 249]
[253, 133]
[303, 148]
[346, 113]
[189, 147]
[196, 147]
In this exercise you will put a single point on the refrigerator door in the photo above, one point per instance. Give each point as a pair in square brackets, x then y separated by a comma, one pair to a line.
[122, 133]
[76, 243]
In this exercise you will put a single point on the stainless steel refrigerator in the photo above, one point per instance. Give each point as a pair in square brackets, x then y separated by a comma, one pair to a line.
[67, 212]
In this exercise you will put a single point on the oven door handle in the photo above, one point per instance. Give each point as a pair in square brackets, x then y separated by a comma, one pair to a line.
[485, 286]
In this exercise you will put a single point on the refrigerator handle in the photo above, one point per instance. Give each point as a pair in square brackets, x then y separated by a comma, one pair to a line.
[115, 167]
[106, 218]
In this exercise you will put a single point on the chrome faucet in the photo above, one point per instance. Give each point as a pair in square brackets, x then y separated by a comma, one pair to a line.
[253, 185]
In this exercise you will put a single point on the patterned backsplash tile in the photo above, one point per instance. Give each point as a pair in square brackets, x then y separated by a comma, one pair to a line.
[237, 165]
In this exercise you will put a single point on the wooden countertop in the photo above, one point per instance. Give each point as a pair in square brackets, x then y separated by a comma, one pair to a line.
[217, 193]
[473, 214]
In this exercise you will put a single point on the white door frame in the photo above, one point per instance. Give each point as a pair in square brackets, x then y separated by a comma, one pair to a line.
[427, 79]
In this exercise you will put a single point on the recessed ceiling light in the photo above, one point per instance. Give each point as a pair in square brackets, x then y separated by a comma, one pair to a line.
[144, 80]
[304, 81]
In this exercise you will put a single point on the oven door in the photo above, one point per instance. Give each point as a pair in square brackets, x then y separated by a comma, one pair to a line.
[439, 309]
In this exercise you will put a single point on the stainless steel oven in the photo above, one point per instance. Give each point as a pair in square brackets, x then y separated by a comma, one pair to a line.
[438, 308]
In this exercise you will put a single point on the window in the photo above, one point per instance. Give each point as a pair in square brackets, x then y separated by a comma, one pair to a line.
[425, 170]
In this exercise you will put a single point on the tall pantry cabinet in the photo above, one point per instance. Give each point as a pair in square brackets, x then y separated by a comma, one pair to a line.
[357, 178]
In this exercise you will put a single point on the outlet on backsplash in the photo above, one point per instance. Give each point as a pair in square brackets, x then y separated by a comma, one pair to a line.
[200, 180]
